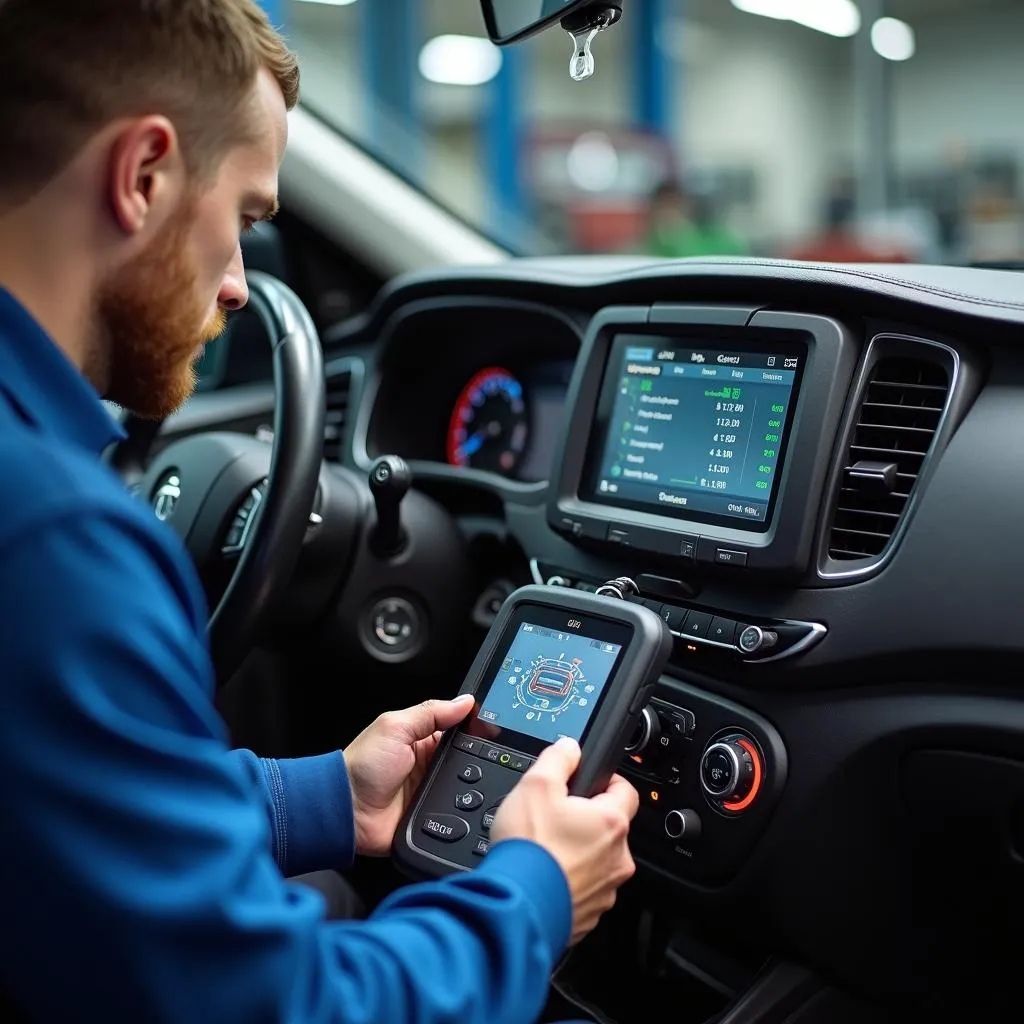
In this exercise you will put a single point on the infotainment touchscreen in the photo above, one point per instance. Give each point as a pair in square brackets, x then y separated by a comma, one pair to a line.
[694, 431]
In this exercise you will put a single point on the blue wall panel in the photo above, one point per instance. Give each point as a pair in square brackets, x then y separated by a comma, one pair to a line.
[391, 39]
[502, 138]
[276, 10]
[652, 66]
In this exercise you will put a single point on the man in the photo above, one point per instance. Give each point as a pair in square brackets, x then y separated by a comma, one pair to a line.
[683, 225]
[142, 863]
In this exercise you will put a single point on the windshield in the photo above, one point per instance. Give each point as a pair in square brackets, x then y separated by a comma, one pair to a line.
[878, 130]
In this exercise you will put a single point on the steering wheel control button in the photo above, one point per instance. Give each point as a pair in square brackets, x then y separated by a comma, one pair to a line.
[470, 773]
[481, 847]
[470, 800]
[447, 828]
[719, 770]
[241, 526]
[696, 625]
[684, 825]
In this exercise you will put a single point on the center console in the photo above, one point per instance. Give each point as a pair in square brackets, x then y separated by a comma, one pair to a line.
[696, 453]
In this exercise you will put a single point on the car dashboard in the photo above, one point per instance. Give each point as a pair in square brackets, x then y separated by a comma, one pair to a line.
[812, 473]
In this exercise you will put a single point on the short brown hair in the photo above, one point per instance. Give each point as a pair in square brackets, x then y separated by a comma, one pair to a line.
[70, 67]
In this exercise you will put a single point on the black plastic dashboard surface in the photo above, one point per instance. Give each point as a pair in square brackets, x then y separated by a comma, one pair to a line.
[921, 641]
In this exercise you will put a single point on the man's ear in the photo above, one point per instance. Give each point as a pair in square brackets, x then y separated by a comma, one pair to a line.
[146, 174]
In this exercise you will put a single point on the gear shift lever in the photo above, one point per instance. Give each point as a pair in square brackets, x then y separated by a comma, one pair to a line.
[390, 480]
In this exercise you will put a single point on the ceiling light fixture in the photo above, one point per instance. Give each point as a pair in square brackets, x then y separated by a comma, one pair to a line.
[459, 60]
[893, 39]
[593, 163]
[839, 18]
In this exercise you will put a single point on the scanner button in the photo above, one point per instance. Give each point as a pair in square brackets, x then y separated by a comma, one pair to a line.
[448, 828]
[470, 800]
[469, 744]
[481, 847]
[470, 773]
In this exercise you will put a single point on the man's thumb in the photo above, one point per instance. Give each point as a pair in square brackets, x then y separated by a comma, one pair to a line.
[436, 715]
[558, 761]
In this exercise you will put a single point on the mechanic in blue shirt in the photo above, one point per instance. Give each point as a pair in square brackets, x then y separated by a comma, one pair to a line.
[142, 863]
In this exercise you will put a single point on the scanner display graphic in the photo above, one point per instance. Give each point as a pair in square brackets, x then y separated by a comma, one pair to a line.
[549, 682]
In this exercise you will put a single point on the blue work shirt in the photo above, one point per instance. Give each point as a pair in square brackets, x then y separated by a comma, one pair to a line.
[143, 862]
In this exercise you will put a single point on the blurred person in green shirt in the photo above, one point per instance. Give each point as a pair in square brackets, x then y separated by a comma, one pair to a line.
[680, 224]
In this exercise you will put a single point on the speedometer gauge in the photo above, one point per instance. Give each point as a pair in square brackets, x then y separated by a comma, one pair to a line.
[489, 428]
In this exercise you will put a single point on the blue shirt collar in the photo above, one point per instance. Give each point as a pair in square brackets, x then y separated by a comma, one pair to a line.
[44, 385]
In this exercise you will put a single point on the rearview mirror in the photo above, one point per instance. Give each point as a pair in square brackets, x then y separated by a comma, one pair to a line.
[508, 21]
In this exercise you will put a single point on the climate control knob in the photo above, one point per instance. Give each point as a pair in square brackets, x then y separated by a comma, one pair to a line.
[732, 772]
[683, 825]
[648, 729]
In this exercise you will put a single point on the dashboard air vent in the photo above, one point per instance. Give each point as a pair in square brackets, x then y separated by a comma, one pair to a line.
[338, 387]
[899, 414]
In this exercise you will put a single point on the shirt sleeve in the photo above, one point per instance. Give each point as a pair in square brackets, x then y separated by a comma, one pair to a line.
[309, 806]
[135, 855]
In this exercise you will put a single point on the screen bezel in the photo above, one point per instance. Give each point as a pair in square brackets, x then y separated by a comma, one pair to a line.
[593, 627]
[673, 546]
[602, 422]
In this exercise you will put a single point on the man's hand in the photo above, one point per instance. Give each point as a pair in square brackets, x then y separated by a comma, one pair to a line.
[586, 837]
[387, 761]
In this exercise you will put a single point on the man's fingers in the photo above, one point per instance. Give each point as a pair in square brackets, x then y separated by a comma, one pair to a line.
[432, 716]
[621, 795]
[558, 761]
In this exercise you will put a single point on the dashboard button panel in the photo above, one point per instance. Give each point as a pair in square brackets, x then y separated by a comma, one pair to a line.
[753, 639]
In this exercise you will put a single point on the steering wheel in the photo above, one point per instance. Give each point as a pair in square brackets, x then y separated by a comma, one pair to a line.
[206, 484]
